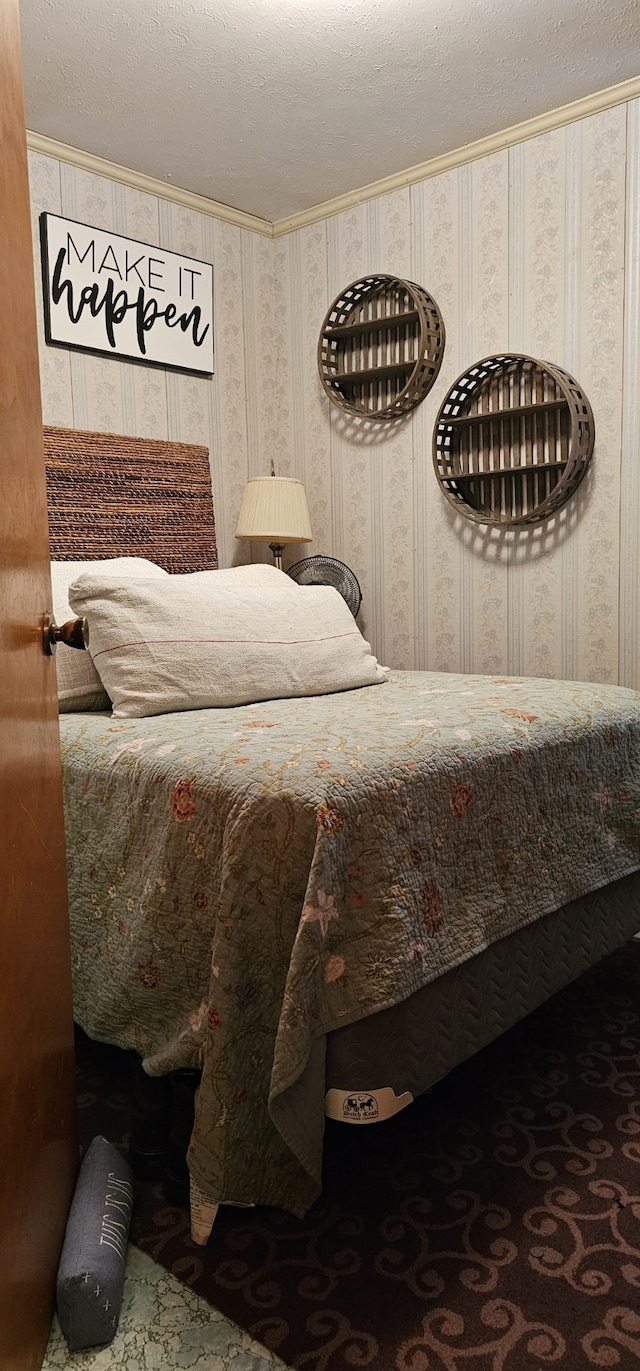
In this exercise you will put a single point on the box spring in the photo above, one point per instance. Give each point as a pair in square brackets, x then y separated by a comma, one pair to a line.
[377, 1065]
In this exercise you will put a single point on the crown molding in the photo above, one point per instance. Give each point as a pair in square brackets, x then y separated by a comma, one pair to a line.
[50, 147]
[470, 152]
[448, 161]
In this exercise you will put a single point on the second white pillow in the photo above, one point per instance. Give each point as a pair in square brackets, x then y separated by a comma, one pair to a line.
[79, 685]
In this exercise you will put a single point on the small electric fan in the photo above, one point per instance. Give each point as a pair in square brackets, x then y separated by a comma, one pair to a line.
[328, 571]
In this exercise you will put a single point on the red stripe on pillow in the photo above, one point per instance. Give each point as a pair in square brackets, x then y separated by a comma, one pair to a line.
[268, 642]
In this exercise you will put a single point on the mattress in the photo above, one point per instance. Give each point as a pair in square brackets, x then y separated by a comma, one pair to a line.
[246, 882]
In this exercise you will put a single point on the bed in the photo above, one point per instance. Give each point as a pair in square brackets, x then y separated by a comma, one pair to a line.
[326, 903]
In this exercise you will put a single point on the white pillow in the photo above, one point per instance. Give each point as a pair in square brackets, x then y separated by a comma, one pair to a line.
[250, 574]
[193, 642]
[79, 685]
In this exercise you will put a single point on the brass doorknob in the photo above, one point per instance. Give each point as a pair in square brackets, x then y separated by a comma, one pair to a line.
[75, 633]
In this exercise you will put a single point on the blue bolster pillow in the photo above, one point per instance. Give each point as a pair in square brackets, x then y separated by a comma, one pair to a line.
[91, 1272]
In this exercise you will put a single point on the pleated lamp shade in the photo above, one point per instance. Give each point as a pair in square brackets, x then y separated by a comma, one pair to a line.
[274, 510]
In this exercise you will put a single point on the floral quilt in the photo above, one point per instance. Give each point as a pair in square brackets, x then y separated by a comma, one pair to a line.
[242, 881]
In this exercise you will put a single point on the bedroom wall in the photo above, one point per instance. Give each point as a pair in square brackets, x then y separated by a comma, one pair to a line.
[535, 248]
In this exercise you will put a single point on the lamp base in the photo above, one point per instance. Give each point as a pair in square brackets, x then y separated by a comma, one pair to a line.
[277, 550]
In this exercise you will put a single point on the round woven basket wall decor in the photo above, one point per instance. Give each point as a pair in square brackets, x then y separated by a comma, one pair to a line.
[381, 347]
[512, 440]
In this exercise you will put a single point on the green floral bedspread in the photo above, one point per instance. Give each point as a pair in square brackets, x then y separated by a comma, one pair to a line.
[244, 880]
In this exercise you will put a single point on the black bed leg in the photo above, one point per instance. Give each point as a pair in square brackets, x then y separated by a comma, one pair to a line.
[152, 1113]
[176, 1176]
[162, 1110]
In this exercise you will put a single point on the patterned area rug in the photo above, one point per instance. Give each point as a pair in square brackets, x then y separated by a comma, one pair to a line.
[492, 1226]
[163, 1324]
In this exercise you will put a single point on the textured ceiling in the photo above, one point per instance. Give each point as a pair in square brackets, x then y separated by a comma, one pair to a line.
[272, 106]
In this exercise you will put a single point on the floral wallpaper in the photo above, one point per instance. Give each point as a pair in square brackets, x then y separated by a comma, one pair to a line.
[533, 249]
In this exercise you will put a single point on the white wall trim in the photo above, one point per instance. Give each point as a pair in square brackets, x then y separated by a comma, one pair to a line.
[49, 147]
[494, 142]
[483, 147]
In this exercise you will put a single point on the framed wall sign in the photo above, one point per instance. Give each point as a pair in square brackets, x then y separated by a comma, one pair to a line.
[109, 294]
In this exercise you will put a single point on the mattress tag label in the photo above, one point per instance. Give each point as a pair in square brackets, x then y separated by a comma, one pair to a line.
[365, 1106]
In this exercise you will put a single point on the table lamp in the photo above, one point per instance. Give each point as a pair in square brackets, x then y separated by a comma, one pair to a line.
[274, 511]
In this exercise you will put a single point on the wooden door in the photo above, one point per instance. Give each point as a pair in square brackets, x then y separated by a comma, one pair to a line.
[38, 1152]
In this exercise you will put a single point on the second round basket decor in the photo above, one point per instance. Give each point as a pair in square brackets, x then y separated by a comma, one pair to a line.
[513, 440]
[381, 347]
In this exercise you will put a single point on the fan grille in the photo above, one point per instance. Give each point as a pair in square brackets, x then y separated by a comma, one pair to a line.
[329, 571]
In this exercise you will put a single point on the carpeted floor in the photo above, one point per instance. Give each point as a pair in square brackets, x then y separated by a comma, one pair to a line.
[492, 1226]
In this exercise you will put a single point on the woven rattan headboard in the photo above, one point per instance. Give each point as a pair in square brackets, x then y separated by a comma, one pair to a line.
[111, 496]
